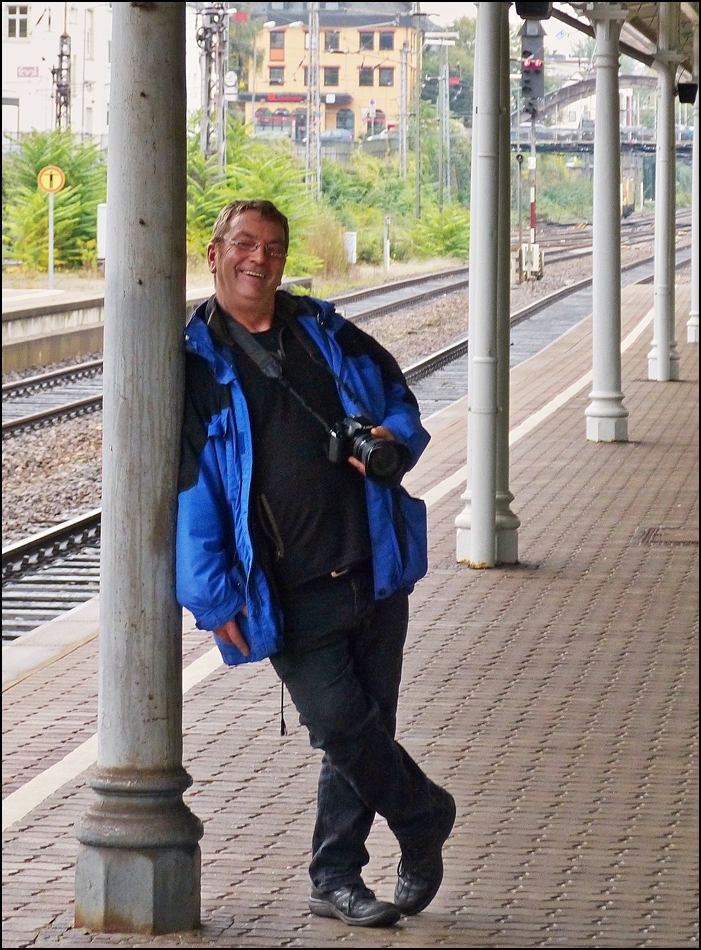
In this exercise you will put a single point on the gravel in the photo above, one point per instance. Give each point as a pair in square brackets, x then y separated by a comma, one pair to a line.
[54, 474]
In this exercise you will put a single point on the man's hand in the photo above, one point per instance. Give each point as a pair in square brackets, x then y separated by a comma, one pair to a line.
[379, 432]
[229, 632]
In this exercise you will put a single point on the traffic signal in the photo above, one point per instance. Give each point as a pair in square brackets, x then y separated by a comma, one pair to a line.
[532, 66]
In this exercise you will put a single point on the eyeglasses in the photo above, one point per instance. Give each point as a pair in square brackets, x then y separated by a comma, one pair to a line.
[272, 250]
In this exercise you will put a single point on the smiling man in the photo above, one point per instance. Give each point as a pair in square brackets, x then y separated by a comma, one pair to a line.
[296, 541]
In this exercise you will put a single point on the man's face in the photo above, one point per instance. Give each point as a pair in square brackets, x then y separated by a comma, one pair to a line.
[243, 276]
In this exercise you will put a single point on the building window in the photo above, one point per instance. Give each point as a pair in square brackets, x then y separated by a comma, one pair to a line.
[366, 76]
[386, 75]
[332, 40]
[17, 16]
[277, 45]
[306, 76]
[277, 75]
[366, 41]
[345, 120]
[89, 35]
[331, 75]
[386, 39]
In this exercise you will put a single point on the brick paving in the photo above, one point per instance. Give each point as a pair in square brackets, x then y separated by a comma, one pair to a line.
[557, 699]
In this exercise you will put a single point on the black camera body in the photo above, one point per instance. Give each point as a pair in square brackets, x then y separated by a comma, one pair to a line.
[385, 461]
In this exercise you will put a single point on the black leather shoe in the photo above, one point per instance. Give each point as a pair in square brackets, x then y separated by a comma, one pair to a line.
[353, 904]
[420, 870]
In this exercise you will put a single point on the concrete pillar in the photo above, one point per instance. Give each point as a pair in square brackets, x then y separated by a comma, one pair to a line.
[138, 866]
[663, 358]
[607, 418]
[483, 304]
[507, 523]
[692, 327]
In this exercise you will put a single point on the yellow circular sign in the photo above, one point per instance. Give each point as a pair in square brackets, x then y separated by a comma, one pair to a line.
[51, 178]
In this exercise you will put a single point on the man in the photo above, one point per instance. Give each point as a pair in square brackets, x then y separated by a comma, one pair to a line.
[296, 541]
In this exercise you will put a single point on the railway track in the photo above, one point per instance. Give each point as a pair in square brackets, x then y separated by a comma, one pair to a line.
[38, 401]
[51, 572]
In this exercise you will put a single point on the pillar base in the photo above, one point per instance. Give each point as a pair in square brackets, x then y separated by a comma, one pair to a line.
[507, 525]
[506, 540]
[463, 549]
[146, 891]
[673, 369]
[507, 546]
[607, 429]
[692, 330]
[138, 867]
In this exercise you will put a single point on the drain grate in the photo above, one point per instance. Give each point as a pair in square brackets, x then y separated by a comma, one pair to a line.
[685, 535]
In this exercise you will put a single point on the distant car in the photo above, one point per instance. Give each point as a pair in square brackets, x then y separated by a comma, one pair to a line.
[336, 135]
[333, 135]
[382, 136]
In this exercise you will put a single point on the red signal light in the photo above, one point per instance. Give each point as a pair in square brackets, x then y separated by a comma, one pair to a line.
[525, 63]
[537, 63]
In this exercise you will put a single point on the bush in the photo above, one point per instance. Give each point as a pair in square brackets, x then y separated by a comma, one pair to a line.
[25, 206]
[443, 233]
[323, 238]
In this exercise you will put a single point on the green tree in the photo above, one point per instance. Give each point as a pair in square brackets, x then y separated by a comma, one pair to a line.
[25, 206]
[255, 168]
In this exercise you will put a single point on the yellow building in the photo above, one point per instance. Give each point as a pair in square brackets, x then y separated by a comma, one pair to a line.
[360, 74]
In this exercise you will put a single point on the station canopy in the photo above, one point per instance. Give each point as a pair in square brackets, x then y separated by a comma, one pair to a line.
[641, 30]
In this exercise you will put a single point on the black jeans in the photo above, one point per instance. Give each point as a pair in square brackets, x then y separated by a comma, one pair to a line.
[342, 664]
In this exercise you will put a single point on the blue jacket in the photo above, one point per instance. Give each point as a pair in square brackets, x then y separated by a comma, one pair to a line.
[217, 569]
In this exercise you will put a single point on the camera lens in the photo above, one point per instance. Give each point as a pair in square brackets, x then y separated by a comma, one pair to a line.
[381, 458]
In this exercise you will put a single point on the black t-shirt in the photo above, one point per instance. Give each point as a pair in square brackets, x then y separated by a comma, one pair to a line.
[312, 512]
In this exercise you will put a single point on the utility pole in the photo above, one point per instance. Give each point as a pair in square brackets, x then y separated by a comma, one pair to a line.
[417, 97]
[403, 95]
[62, 82]
[212, 39]
[313, 150]
[445, 115]
[441, 138]
[443, 103]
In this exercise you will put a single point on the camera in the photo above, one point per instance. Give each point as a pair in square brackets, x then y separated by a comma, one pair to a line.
[385, 461]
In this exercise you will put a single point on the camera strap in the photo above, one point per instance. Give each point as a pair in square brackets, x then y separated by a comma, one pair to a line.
[260, 357]
[291, 321]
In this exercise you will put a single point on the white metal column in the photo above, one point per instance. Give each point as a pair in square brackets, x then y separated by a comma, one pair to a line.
[507, 523]
[607, 418]
[463, 522]
[663, 358]
[692, 326]
[138, 866]
[476, 542]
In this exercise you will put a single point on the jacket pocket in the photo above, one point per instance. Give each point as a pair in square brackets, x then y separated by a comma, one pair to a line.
[410, 525]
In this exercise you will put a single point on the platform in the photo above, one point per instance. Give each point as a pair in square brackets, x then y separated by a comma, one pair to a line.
[557, 699]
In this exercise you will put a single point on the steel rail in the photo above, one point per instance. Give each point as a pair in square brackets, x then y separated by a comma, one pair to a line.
[29, 552]
[92, 404]
[32, 384]
[48, 573]
[37, 420]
